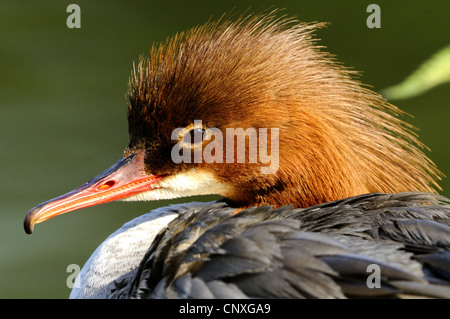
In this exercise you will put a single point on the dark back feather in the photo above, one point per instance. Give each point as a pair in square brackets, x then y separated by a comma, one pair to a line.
[317, 252]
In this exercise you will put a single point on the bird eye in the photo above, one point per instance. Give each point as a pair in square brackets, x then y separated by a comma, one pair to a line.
[194, 136]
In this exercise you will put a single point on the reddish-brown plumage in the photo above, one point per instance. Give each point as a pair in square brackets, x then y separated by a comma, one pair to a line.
[337, 139]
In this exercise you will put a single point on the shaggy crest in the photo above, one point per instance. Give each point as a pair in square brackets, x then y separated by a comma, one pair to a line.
[337, 138]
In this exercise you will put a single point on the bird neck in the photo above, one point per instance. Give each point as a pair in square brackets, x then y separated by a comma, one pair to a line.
[321, 160]
[97, 277]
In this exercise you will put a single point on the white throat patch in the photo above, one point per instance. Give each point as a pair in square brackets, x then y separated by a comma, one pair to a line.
[190, 183]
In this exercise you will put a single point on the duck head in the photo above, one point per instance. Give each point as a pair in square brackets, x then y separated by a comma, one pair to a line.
[302, 130]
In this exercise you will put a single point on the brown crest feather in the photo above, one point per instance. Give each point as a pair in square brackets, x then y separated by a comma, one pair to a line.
[337, 138]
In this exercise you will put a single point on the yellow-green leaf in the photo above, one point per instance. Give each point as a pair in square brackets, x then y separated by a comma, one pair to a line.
[431, 73]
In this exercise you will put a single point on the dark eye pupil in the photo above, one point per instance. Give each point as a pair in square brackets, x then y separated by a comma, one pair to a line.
[194, 136]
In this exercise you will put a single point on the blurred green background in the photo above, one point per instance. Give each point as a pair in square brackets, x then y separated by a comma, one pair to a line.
[63, 114]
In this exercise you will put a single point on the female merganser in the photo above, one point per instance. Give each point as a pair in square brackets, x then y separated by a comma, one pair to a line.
[346, 193]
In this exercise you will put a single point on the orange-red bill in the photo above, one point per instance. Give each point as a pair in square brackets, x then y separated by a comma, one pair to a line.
[125, 178]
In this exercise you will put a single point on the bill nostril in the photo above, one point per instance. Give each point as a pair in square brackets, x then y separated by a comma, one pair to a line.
[106, 185]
